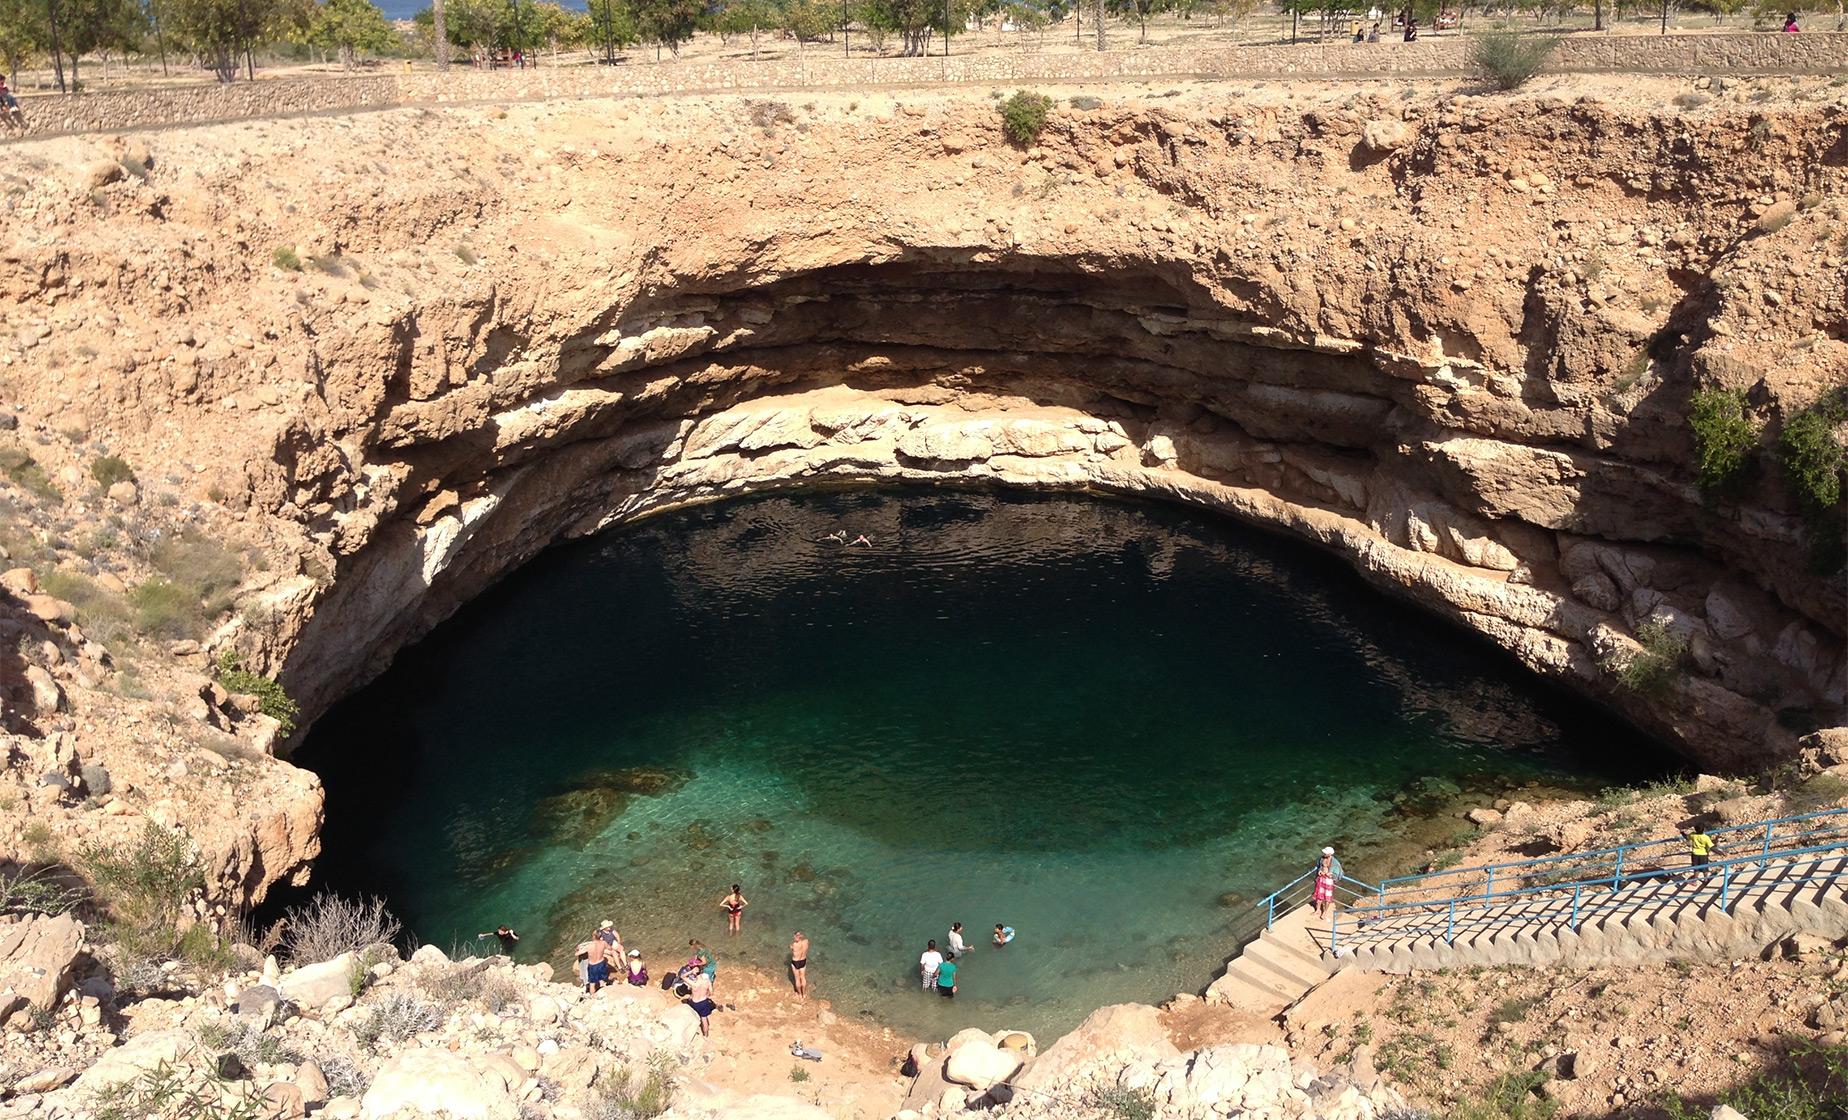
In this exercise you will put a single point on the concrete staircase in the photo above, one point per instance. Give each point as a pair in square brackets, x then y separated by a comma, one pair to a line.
[1274, 971]
[1654, 914]
[1665, 914]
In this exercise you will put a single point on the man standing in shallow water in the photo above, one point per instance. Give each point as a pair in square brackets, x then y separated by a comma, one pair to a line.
[597, 965]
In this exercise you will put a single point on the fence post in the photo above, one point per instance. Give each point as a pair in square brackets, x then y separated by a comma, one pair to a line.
[1766, 854]
[1450, 925]
[1575, 905]
[1725, 885]
[1489, 887]
[1617, 877]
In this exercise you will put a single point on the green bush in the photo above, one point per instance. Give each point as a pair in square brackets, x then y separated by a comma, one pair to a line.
[1813, 458]
[286, 258]
[1655, 668]
[18, 465]
[271, 699]
[1724, 440]
[625, 1096]
[105, 615]
[164, 609]
[1509, 58]
[111, 469]
[1023, 116]
[144, 886]
[1120, 1103]
[201, 563]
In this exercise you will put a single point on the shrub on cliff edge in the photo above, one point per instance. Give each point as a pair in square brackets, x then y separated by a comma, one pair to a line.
[1814, 462]
[272, 701]
[1509, 58]
[1023, 116]
[1724, 439]
[1652, 671]
[144, 885]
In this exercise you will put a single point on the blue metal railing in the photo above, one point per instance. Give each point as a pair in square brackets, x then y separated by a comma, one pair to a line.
[1561, 890]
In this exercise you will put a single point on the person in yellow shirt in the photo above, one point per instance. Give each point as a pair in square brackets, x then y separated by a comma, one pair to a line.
[1700, 847]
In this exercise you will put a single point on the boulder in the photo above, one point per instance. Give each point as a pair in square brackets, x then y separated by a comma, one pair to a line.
[965, 1036]
[1384, 135]
[315, 985]
[36, 956]
[429, 954]
[1121, 1029]
[682, 1027]
[131, 1059]
[979, 1063]
[124, 493]
[96, 779]
[283, 1101]
[259, 1003]
[47, 697]
[44, 1081]
[1725, 1112]
[1482, 818]
[313, 1084]
[427, 1082]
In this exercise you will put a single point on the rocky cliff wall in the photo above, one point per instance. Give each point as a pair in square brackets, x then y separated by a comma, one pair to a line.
[1451, 339]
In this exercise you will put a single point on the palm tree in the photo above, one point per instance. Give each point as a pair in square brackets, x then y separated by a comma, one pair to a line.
[440, 30]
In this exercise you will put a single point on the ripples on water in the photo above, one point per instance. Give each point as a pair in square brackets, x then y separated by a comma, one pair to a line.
[1085, 718]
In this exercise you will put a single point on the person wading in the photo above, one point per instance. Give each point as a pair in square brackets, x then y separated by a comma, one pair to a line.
[929, 963]
[733, 904]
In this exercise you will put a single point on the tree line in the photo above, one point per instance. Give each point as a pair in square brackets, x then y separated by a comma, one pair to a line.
[220, 34]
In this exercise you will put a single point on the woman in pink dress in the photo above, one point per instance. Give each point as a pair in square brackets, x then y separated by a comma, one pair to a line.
[1327, 872]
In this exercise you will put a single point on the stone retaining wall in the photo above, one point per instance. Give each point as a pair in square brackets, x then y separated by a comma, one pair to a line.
[1670, 54]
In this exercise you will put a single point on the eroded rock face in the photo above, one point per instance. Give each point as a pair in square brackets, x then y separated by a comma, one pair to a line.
[1451, 341]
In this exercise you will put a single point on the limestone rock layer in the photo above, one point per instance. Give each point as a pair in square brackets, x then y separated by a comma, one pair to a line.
[1451, 339]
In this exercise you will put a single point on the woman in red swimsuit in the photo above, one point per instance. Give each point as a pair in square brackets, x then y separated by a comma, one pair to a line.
[734, 904]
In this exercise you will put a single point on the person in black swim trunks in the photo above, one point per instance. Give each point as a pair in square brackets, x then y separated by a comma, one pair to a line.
[734, 904]
[798, 963]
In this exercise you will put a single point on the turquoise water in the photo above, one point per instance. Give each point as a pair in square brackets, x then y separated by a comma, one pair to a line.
[1088, 719]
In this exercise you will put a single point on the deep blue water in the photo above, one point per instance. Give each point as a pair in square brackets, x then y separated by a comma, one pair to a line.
[1086, 718]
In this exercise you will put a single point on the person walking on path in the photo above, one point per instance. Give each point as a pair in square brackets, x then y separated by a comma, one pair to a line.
[946, 977]
[929, 963]
[699, 998]
[957, 948]
[1700, 849]
[734, 904]
[798, 963]
[1327, 874]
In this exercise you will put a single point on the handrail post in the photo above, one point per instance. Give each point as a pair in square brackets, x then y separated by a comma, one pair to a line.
[1575, 906]
[1766, 854]
[1725, 885]
[1450, 924]
[1334, 920]
[1270, 915]
[1489, 887]
[1617, 876]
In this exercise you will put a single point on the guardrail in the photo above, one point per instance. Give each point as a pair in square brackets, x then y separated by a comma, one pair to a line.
[1572, 888]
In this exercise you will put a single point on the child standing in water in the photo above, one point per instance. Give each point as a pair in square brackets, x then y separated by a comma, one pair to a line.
[734, 904]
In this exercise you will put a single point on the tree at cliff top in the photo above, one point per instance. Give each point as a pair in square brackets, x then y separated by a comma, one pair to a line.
[348, 27]
[745, 17]
[667, 23]
[555, 28]
[221, 30]
[22, 34]
[612, 26]
[807, 20]
[915, 20]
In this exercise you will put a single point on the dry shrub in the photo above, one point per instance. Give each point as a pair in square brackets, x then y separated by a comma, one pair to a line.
[329, 925]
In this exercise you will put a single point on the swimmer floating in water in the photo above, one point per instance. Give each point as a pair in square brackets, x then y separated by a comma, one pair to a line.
[1003, 935]
[839, 536]
[861, 539]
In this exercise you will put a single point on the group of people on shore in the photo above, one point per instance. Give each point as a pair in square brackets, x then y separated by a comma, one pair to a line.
[940, 970]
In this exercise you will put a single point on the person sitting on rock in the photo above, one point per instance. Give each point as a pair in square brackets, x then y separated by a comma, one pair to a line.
[9, 105]
[638, 972]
